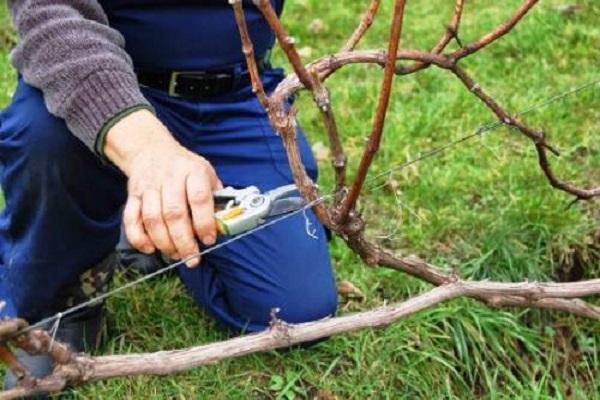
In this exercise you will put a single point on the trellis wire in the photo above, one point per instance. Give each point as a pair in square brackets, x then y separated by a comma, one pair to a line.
[429, 154]
[490, 126]
[96, 300]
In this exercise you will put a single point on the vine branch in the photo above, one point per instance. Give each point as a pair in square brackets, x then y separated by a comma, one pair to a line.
[77, 369]
[384, 100]
[340, 216]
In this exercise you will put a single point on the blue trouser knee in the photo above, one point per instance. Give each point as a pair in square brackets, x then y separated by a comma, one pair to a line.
[63, 207]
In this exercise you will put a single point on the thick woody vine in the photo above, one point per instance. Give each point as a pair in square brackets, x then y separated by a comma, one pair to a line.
[339, 213]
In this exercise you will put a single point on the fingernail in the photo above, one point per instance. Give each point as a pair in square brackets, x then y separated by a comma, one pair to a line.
[148, 249]
[193, 262]
[209, 240]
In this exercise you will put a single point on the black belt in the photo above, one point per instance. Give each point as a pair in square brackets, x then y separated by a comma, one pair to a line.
[197, 84]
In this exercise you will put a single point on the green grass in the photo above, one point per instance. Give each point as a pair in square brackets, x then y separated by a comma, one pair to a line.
[483, 209]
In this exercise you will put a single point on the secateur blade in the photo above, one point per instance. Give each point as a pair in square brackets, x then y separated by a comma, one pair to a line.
[284, 199]
[286, 205]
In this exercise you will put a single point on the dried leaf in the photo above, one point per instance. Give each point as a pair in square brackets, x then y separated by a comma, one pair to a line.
[316, 26]
[325, 395]
[305, 51]
[349, 291]
[569, 9]
[392, 185]
[320, 151]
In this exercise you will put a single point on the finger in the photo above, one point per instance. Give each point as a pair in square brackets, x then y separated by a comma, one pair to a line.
[177, 217]
[134, 228]
[200, 199]
[214, 180]
[154, 224]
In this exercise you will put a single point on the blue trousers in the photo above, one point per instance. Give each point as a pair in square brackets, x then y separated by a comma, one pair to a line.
[63, 211]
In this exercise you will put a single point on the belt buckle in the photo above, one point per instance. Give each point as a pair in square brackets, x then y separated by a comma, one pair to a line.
[173, 80]
[173, 83]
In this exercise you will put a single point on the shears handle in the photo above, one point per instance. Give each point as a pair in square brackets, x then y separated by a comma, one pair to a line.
[225, 217]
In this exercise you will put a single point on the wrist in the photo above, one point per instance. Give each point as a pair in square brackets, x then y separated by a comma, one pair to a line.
[132, 135]
[100, 141]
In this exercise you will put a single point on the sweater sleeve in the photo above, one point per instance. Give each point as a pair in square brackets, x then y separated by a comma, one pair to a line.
[69, 52]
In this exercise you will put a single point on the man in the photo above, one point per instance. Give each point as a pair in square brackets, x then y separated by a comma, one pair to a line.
[146, 104]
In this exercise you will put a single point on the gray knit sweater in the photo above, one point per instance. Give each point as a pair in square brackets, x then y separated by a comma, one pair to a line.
[69, 52]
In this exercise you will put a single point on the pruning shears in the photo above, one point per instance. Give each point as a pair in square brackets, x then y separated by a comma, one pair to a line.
[239, 210]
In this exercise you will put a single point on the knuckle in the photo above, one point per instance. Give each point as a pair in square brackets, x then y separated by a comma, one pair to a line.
[201, 168]
[200, 196]
[174, 213]
[168, 249]
[205, 166]
[151, 219]
[205, 227]
[183, 240]
[188, 250]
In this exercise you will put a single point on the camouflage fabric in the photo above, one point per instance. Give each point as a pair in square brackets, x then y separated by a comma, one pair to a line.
[92, 283]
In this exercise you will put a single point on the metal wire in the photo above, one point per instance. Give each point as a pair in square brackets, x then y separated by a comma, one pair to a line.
[490, 126]
[429, 154]
[98, 299]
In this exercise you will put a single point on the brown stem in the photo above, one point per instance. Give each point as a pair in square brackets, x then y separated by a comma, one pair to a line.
[450, 33]
[384, 99]
[365, 23]
[9, 327]
[452, 29]
[320, 95]
[467, 80]
[574, 306]
[248, 50]
[21, 373]
[537, 137]
[285, 41]
[284, 122]
[39, 342]
[76, 369]
[328, 65]
[82, 369]
[418, 268]
[579, 193]
[338, 157]
[497, 33]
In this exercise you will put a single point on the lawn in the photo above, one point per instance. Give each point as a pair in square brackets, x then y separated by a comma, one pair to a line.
[483, 208]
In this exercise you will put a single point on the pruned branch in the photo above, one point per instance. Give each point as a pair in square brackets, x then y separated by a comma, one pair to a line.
[338, 156]
[450, 33]
[382, 106]
[365, 23]
[496, 33]
[285, 41]
[537, 136]
[81, 369]
[248, 50]
[340, 215]
[311, 81]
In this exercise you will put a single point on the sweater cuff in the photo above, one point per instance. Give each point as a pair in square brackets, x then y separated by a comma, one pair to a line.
[101, 137]
[101, 97]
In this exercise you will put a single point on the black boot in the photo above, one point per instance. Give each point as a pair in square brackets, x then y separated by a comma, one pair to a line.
[81, 331]
[134, 262]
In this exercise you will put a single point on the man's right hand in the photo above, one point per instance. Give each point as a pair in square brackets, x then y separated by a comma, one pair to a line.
[170, 189]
